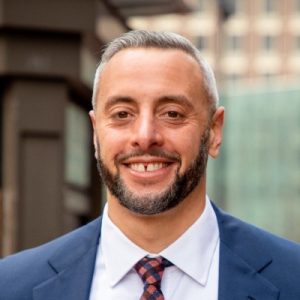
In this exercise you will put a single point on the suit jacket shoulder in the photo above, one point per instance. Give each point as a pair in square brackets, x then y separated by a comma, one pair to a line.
[256, 262]
[22, 273]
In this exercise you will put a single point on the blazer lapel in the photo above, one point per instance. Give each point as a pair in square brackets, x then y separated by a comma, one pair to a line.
[239, 281]
[242, 258]
[74, 268]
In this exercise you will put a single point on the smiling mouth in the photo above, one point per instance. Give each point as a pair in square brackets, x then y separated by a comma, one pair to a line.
[147, 167]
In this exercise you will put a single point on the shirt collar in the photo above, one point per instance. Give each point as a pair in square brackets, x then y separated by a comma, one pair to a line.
[192, 252]
[120, 254]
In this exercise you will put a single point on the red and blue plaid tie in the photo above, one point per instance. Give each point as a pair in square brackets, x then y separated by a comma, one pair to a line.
[151, 271]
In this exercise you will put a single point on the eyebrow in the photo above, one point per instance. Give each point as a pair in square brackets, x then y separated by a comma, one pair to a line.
[116, 100]
[179, 99]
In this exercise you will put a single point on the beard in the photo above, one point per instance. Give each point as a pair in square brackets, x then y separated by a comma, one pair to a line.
[155, 203]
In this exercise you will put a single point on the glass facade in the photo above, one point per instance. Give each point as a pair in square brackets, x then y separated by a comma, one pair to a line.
[257, 176]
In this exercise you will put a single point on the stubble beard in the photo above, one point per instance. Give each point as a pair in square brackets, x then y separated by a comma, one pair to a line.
[174, 193]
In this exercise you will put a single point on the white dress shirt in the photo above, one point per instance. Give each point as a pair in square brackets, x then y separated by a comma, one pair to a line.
[195, 255]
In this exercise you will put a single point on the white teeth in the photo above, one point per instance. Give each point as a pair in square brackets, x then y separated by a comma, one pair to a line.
[153, 167]
[140, 167]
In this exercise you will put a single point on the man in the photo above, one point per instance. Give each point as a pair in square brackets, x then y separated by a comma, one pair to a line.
[156, 120]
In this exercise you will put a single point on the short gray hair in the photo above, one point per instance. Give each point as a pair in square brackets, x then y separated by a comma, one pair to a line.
[160, 40]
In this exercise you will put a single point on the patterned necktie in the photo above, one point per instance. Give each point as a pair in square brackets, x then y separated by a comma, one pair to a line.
[151, 271]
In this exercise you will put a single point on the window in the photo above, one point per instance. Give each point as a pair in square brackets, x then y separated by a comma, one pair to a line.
[297, 43]
[269, 76]
[270, 6]
[202, 43]
[198, 5]
[297, 6]
[235, 6]
[77, 147]
[233, 78]
[269, 43]
[235, 43]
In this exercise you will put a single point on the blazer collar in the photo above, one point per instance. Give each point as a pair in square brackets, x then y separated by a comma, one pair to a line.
[73, 264]
[242, 258]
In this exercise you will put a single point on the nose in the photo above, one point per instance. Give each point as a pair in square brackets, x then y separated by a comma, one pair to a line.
[146, 133]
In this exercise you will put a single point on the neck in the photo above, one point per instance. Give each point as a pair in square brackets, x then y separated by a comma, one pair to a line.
[156, 232]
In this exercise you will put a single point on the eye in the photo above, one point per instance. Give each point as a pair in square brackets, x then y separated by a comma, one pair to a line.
[122, 114]
[173, 114]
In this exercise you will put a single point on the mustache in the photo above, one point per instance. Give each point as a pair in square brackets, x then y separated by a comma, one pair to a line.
[151, 152]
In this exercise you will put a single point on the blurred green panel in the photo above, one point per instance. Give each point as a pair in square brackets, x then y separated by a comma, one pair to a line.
[77, 147]
[257, 176]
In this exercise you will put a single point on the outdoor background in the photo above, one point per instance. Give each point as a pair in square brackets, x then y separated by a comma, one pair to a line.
[48, 54]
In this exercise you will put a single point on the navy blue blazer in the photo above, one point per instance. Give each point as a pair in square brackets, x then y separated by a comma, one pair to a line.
[254, 265]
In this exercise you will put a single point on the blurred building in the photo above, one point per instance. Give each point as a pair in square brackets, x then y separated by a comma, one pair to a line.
[241, 39]
[254, 48]
[48, 54]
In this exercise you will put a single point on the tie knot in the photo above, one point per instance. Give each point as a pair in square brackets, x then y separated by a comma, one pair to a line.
[151, 269]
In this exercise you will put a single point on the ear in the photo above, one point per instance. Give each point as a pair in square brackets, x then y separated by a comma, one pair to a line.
[216, 132]
[93, 121]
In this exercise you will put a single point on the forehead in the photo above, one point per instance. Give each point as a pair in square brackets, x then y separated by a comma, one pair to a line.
[130, 58]
[150, 72]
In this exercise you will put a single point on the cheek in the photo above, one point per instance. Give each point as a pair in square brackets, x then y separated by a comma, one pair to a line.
[190, 154]
[186, 144]
[111, 143]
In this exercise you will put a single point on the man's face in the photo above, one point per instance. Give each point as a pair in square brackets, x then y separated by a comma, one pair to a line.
[151, 128]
